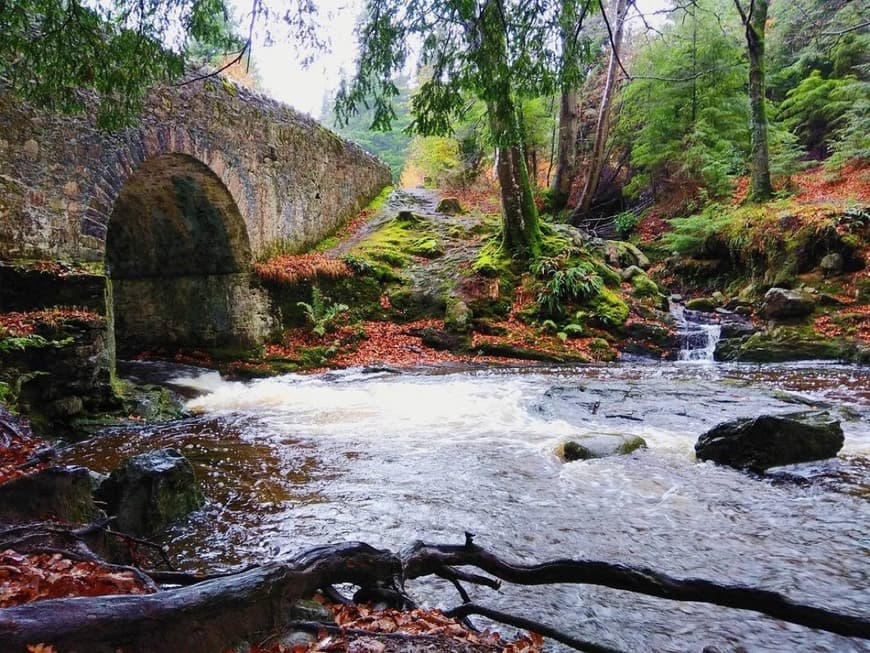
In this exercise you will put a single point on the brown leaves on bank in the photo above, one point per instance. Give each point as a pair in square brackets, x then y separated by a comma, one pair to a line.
[291, 269]
[26, 578]
[23, 324]
[396, 631]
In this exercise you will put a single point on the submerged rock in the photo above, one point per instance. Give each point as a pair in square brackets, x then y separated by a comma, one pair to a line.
[771, 440]
[601, 446]
[150, 491]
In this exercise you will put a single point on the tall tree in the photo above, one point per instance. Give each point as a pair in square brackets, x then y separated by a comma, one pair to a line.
[754, 19]
[602, 128]
[498, 51]
[570, 23]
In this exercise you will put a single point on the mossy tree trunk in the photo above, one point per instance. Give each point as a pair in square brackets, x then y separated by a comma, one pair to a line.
[521, 226]
[754, 19]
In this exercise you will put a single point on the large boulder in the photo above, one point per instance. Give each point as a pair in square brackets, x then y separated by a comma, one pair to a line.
[150, 491]
[601, 446]
[771, 440]
[781, 303]
[63, 493]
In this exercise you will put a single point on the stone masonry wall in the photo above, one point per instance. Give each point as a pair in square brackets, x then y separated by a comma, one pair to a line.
[293, 180]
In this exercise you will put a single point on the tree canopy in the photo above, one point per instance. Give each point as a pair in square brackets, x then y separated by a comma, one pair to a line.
[54, 50]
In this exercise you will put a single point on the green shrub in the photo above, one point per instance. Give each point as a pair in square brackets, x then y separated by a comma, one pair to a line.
[625, 223]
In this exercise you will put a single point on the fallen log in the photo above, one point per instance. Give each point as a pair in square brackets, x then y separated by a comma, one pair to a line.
[212, 614]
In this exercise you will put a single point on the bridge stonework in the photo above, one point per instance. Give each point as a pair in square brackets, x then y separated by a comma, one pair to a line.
[179, 207]
[292, 180]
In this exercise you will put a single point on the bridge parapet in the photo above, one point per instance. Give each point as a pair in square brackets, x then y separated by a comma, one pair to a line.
[292, 180]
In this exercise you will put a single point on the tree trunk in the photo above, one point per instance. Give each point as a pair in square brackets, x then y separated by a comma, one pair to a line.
[569, 109]
[521, 228]
[566, 153]
[754, 22]
[602, 129]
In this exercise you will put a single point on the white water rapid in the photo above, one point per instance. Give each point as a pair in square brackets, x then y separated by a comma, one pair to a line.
[294, 462]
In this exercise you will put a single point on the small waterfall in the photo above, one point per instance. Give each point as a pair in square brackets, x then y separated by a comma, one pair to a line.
[698, 333]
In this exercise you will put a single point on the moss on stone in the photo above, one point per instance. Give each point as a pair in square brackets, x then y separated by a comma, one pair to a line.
[398, 240]
[643, 287]
[608, 308]
[788, 343]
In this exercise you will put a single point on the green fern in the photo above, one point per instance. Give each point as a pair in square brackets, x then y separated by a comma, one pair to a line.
[321, 315]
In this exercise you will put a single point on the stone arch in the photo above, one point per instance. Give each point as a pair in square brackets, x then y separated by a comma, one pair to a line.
[175, 217]
[178, 256]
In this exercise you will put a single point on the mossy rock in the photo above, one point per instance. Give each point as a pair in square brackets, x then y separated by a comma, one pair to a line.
[702, 304]
[602, 350]
[643, 287]
[457, 316]
[608, 309]
[63, 493]
[788, 344]
[505, 350]
[395, 242]
[410, 305]
[444, 340]
[601, 446]
[654, 333]
[625, 254]
[449, 205]
[150, 491]
[427, 247]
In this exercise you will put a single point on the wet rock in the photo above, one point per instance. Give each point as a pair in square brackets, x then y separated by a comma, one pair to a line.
[771, 440]
[449, 205]
[309, 610]
[631, 272]
[457, 316]
[832, 264]
[63, 493]
[442, 340]
[780, 303]
[650, 339]
[736, 303]
[735, 325]
[150, 491]
[783, 344]
[705, 304]
[601, 446]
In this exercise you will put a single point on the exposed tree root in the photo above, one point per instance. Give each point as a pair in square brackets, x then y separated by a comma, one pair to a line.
[207, 615]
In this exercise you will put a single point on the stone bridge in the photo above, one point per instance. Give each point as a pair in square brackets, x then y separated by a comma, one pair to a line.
[178, 208]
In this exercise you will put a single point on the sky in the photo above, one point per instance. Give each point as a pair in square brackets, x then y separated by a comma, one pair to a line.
[286, 79]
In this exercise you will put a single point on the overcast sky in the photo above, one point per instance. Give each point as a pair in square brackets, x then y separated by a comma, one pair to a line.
[284, 77]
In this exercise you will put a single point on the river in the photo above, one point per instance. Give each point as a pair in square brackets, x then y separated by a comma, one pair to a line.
[293, 462]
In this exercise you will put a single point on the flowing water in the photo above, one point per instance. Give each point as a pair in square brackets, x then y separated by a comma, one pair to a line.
[698, 338]
[293, 462]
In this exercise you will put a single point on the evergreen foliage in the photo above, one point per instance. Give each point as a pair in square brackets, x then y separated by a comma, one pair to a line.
[52, 52]
[678, 127]
[392, 145]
